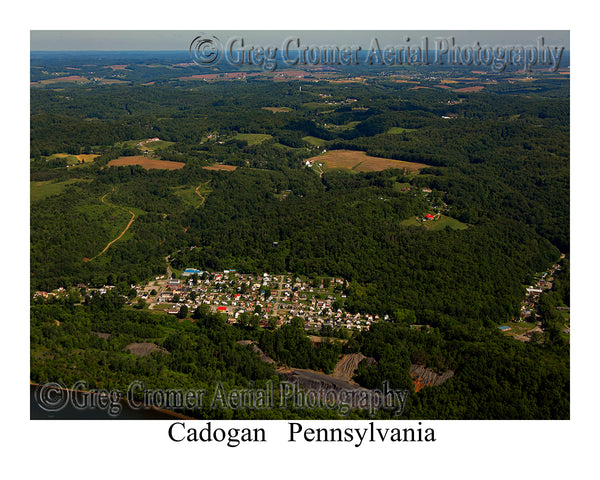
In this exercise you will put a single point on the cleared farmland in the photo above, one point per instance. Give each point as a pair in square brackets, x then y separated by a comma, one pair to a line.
[226, 168]
[41, 190]
[278, 109]
[147, 163]
[252, 138]
[361, 162]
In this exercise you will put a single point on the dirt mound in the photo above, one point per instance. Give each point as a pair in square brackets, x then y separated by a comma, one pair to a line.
[315, 381]
[144, 348]
[105, 336]
[426, 377]
[345, 368]
[263, 357]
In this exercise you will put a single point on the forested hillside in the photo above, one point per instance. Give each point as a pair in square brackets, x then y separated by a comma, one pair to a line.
[450, 245]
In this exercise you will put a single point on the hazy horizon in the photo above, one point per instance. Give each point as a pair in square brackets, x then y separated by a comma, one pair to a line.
[153, 40]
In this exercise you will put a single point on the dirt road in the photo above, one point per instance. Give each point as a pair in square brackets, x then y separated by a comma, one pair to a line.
[122, 233]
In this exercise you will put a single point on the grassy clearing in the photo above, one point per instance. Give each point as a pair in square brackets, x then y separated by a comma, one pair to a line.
[191, 195]
[70, 159]
[67, 79]
[361, 162]
[347, 126]
[436, 225]
[278, 109]
[40, 190]
[252, 138]
[150, 146]
[317, 142]
[112, 217]
[519, 328]
[402, 186]
[396, 130]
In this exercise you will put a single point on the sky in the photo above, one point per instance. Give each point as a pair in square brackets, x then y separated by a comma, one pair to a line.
[56, 40]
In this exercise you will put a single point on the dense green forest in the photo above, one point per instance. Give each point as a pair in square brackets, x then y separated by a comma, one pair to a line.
[497, 163]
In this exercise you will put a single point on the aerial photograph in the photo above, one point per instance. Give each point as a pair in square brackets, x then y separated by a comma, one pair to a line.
[300, 225]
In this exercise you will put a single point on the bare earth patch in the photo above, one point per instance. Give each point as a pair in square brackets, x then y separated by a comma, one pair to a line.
[347, 365]
[143, 349]
[147, 163]
[426, 377]
[226, 168]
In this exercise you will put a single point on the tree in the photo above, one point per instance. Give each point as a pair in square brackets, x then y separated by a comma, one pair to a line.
[141, 303]
[183, 312]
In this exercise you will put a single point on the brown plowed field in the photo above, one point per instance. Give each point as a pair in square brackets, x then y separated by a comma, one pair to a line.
[147, 163]
[226, 168]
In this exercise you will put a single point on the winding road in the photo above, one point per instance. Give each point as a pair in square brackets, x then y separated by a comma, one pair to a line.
[199, 194]
[122, 233]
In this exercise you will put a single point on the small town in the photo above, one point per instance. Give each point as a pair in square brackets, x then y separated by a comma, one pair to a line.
[275, 299]
[528, 314]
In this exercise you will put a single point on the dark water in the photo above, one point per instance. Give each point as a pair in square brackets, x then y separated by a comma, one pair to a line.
[89, 407]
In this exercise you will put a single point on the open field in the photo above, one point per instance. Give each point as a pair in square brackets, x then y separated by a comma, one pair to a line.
[122, 209]
[278, 109]
[361, 162]
[86, 157]
[252, 138]
[75, 159]
[519, 328]
[41, 190]
[438, 224]
[116, 67]
[69, 79]
[149, 146]
[347, 126]
[395, 130]
[111, 81]
[476, 88]
[195, 196]
[317, 142]
[147, 163]
[226, 168]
